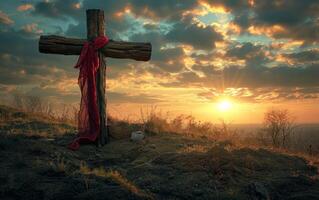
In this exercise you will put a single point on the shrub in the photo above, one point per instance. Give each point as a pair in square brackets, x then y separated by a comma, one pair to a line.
[278, 127]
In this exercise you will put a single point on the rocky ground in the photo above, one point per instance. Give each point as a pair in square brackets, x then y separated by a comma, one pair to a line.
[35, 164]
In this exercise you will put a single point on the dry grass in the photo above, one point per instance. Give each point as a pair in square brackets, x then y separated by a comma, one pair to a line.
[194, 148]
[117, 177]
[58, 165]
[157, 122]
[152, 121]
[312, 159]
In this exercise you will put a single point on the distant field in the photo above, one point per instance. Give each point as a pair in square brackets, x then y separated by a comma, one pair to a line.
[304, 135]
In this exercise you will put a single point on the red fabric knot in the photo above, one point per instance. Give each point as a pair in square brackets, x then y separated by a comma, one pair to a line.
[89, 117]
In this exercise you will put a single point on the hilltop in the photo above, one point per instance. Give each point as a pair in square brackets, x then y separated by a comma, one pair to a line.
[35, 164]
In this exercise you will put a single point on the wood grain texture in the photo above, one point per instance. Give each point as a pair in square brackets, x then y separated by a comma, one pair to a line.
[71, 46]
[95, 27]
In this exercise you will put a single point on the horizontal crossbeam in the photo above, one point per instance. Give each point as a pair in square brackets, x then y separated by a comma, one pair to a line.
[71, 46]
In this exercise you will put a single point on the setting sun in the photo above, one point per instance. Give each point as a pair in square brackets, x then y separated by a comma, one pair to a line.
[224, 105]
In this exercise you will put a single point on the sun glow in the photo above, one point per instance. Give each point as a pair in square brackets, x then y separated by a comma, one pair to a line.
[224, 105]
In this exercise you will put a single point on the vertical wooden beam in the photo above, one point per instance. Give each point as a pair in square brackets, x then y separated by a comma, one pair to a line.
[95, 27]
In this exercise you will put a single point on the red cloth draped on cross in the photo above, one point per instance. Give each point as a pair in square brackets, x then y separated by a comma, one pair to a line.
[89, 117]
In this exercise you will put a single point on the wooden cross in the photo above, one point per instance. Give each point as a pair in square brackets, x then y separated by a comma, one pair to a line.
[71, 46]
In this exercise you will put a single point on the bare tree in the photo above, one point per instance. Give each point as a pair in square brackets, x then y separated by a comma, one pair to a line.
[279, 126]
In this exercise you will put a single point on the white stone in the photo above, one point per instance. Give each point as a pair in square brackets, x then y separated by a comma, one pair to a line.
[137, 136]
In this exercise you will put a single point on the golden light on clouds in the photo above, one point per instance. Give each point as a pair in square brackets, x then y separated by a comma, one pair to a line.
[213, 8]
[234, 28]
[267, 30]
[287, 45]
[5, 19]
[126, 10]
[251, 2]
[32, 28]
[76, 5]
[25, 7]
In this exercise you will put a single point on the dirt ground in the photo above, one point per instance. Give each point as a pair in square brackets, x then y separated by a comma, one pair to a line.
[162, 166]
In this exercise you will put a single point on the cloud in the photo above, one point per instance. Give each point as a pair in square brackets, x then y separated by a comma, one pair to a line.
[259, 95]
[163, 10]
[284, 12]
[301, 26]
[23, 66]
[243, 51]
[15, 71]
[186, 52]
[267, 14]
[249, 77]
[58, 9]
[252, 54]
[170, 60]
[311, 55]
[167, 59]
[5, 19]
[25, 7]
[191, 33]
[31, 29]
[54, 93]
[116, 97]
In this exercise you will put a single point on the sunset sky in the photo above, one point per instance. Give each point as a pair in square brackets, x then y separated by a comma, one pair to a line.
[214, 59]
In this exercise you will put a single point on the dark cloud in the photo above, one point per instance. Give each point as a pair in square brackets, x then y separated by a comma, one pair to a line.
[185, 79]
[170, 60]
[167, 59]
[304, 56]
[243, 51]
[23, 65]
[307, 32]
[251, 77]
[252, 54]
[14, 71]
[164, 9]
[187, 32]
[285, 12]
[58, 9]
[172, 9]
[302, 26]
[281, 76]
[298, 18]
[26, 48]
[198, 37]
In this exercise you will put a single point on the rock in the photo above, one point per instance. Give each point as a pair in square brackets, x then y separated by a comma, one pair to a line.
[258, 191]
[153, 146]
[137, 136]
[180, 145]
[197, 192]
